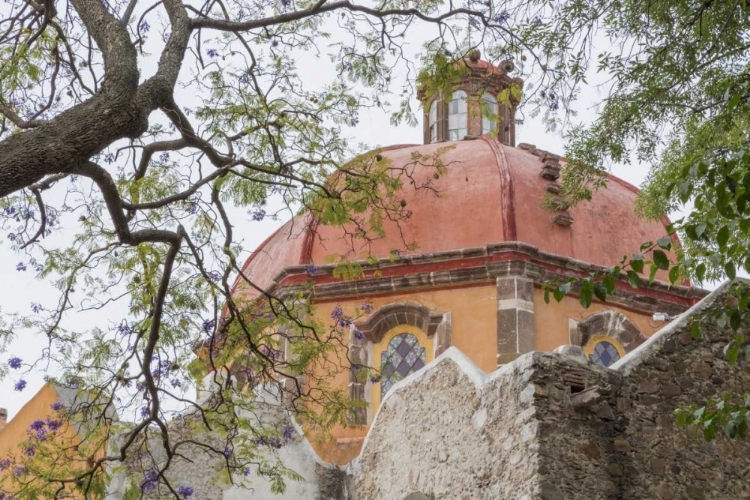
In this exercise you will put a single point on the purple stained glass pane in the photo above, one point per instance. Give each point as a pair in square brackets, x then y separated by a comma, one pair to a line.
[604, 353]
[402, 357]
[403, 349]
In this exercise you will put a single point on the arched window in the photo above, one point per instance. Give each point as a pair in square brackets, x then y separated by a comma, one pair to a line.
[433, 122]
[402, 357]
[489, 113]
[457, 111]
[604, 350]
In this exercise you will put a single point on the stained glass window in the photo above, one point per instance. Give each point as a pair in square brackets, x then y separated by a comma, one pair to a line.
[403, 356]
[604, 353]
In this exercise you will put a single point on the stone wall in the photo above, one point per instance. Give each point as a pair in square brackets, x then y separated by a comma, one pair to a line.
[452, 432]
[554, 426]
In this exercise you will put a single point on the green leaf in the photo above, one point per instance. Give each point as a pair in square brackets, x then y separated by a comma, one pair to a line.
[652, 273]
[709, 432]
[546, 295]
[674, 274]
[633, 279]
[700, 229]
[730, 270]
[735, 320]
[700, 272]
[695, 330]
[609, 283]
[586, 297]
[600, 292]
[637, 265]
[661, 260]
[733, 101]
[722, 237]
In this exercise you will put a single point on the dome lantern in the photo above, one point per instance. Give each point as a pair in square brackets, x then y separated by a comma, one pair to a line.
[473, 109]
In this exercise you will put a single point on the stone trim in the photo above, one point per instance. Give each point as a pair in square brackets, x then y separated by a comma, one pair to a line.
[515, 317]
[400, 313]
[472, 266]
[610, 324]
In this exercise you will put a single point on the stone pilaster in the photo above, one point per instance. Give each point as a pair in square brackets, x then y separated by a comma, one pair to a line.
[358, 358]
[515, 317]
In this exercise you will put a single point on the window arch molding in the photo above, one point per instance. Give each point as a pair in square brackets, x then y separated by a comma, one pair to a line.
[609, 324]
[405, 313]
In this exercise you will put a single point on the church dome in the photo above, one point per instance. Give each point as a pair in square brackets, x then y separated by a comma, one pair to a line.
[491, 193]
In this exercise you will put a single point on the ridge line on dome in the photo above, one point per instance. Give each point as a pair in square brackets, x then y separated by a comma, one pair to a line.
[507, 195]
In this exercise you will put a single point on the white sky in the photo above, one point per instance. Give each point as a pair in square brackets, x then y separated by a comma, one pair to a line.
[21, 288]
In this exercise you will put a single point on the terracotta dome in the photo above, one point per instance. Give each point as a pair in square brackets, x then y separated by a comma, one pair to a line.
[492, 193]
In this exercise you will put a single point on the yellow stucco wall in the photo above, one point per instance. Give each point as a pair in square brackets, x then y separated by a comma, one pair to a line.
[551, 320]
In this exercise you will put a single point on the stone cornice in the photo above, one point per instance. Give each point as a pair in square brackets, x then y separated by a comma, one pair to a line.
[473, 266]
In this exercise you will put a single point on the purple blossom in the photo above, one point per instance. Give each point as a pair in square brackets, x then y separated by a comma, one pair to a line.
[259, 214]
[151, 477]
[54, 424]
[41, 435]
[164, 157]
[502, 16]
[339, 317]
[246, 471]
[354, 121]
[359, 335]
[286, 3]
[175, 383]
[109, 158]
[245, 79]
[144, 26]
[20, 266]
[312, 270]
[20, 385]
[366, 307]
[57, 406]
[537, 20]
[192, 208]
[29, 451]
[12, 236]
[9, 211]
[4, 464]
[212, 53]
[37, 425]
[144, 412]
[15, 362]
[228, 452]
[288, 432]
[375, 379]
[208, 325]
[125, 329]
[36, 308]
[214, 275]
[185, 491]
[19, 470]
[274, 442]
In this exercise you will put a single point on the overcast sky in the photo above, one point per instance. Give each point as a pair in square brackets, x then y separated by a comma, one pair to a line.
[19, 289]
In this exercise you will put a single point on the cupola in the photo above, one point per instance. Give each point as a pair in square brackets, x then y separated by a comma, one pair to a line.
[476, 105]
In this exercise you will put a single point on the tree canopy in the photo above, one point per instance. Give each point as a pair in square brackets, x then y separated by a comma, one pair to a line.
[136, 136]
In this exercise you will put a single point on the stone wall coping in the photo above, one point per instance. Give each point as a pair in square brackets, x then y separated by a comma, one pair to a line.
[655, 342]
